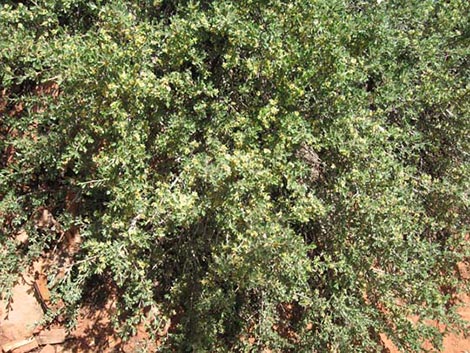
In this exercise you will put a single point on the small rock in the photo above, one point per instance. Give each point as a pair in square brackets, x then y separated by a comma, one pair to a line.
[52, 336]
[21, 237]
[21, 346]
[48, 349]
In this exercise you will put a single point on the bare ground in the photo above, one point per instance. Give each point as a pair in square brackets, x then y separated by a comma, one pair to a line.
[94, 331]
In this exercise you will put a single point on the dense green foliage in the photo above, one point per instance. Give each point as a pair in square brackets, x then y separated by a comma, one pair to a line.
[228, 158]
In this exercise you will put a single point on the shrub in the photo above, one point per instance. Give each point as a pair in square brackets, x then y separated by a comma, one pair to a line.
[285, 175]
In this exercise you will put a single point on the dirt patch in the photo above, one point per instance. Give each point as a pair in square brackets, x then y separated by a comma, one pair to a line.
[459, 344]
[452, 343]
[95, 332]
[18, 319]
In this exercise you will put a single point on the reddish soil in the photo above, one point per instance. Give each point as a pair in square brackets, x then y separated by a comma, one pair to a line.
[95, 333]
[452, 343]
[19, 322]
[456, 344]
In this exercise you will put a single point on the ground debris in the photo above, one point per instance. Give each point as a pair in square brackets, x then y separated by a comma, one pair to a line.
[20, 346]
[52, 336]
